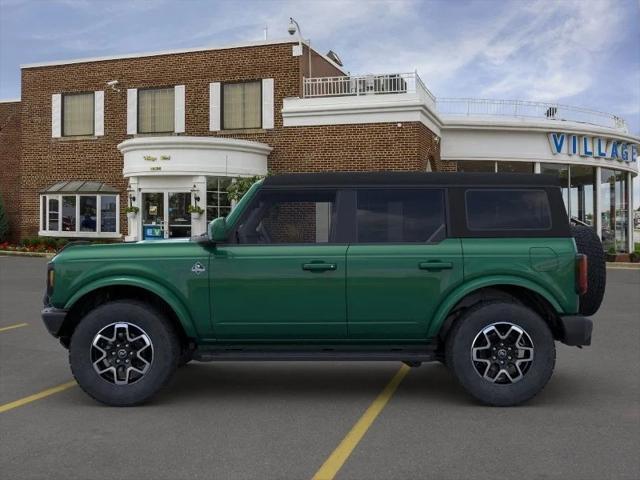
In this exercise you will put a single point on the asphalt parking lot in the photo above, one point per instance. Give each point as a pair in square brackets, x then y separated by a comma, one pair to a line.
[284, 420]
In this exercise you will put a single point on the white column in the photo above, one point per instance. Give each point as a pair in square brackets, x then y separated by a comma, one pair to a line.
[134, 225]
[629, 213]
[598, 203]
[199, 226]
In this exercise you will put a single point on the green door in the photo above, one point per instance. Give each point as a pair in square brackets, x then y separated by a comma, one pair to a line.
[400, 265]
[284, 276]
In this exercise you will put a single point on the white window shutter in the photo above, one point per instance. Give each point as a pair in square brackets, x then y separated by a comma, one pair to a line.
[132, 111]
[178, 114]
[98, 113]
[214, 106]
[56, 115]
[267, 103]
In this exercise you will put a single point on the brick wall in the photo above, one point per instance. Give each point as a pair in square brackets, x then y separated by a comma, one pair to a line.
[295, 149]
[10, 162]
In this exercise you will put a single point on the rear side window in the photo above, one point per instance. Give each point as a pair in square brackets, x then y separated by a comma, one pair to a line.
[504, 209]
[400, 216]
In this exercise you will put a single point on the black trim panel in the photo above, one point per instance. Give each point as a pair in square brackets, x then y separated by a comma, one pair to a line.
[53, 319]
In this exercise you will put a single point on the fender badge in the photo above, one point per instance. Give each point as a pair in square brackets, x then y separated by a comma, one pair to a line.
[198, 268]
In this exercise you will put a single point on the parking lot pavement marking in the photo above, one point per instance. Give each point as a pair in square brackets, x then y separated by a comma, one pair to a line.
[36, 396]
[11, 327]
[334, 463]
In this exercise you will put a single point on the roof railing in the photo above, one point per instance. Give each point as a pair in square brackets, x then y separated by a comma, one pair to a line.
[402, 83]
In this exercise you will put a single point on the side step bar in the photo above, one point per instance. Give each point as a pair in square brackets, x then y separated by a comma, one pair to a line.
[409, 355]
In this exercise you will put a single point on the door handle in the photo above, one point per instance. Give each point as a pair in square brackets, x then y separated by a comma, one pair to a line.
[435, 266]
[319, 267]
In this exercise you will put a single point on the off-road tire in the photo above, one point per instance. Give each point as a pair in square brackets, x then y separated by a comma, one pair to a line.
[590, 245]
[165, 344]
[458, 352]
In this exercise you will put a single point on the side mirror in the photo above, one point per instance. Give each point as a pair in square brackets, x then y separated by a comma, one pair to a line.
[218, 230]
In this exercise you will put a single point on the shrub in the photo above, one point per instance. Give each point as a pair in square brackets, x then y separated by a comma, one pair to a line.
[4, 223]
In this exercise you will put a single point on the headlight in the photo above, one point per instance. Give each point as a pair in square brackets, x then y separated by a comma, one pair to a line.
[51, 279]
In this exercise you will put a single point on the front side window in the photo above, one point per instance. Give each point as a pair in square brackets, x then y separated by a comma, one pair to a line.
[289, 218]
[241, 105]
[78, 114]
[400, 216]
[156, 110]
[521, 209]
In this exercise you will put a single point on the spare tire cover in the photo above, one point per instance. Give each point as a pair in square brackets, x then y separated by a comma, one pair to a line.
[590, 245]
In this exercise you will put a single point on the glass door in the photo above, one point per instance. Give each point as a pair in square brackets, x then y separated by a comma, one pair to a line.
[153, 215]
[179, 219]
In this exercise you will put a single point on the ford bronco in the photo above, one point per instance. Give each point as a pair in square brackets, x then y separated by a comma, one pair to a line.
[481, 272]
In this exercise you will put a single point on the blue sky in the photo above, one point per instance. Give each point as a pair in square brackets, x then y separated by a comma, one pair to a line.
[579, 52]
[583, 52]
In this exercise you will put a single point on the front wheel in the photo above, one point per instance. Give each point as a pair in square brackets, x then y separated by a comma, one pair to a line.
[123, 352]
[502, 353]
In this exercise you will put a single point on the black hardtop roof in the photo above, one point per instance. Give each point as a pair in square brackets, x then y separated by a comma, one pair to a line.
[411, 178]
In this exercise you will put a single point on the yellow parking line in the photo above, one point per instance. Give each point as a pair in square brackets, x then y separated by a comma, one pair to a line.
[334, 463]
[11, 327]
[36, 396]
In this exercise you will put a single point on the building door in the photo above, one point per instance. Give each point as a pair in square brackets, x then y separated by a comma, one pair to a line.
[164, 215]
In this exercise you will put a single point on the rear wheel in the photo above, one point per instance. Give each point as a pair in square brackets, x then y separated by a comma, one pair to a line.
[123, 352]
[502, 353]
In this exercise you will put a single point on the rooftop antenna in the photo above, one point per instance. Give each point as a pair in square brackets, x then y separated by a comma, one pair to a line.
[266, 32]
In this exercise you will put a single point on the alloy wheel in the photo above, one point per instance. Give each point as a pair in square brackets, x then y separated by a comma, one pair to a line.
[121, 353]
[502, 353]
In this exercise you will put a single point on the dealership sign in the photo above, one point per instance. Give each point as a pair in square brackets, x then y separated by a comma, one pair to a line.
[597, 147]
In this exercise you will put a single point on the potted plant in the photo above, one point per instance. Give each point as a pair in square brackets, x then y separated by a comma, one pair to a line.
[195, 211]
[131, 212]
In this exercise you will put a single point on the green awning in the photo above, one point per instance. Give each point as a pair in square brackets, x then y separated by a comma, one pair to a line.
[80, 186]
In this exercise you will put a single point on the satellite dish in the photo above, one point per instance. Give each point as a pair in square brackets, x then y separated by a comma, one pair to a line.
[334, 57]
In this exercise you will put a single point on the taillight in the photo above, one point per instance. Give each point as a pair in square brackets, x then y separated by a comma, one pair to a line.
[582, 283]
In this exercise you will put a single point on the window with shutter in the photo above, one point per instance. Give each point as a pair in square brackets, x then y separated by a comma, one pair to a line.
[242, 105]
[156, 110]
[78, 114]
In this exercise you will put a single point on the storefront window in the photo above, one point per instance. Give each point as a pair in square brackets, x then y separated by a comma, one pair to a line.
[476, 166]
[108, 219]
[582, 179]
[73, 215]
[69, 213]
[614, 210]
[218, 203]
[515, 167]
[562, 172]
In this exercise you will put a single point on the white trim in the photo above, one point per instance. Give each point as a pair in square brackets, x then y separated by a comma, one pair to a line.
[268, 107]
[396, 108]
[214, 107]
[98, 113]
[132, 111]
[10, 100]
[56, 115]
[46, 233]
[179, 108]
[157, 53]
[172, 156]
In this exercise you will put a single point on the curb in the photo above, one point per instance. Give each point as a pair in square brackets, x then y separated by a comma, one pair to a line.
[11, 253]
[625, 265]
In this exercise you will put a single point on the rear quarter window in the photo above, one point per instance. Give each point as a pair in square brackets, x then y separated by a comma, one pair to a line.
[507, 209]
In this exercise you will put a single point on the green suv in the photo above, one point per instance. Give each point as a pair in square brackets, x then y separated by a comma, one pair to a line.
[481, 272]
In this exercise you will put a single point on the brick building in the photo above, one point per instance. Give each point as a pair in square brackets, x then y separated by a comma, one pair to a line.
[165, 130]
